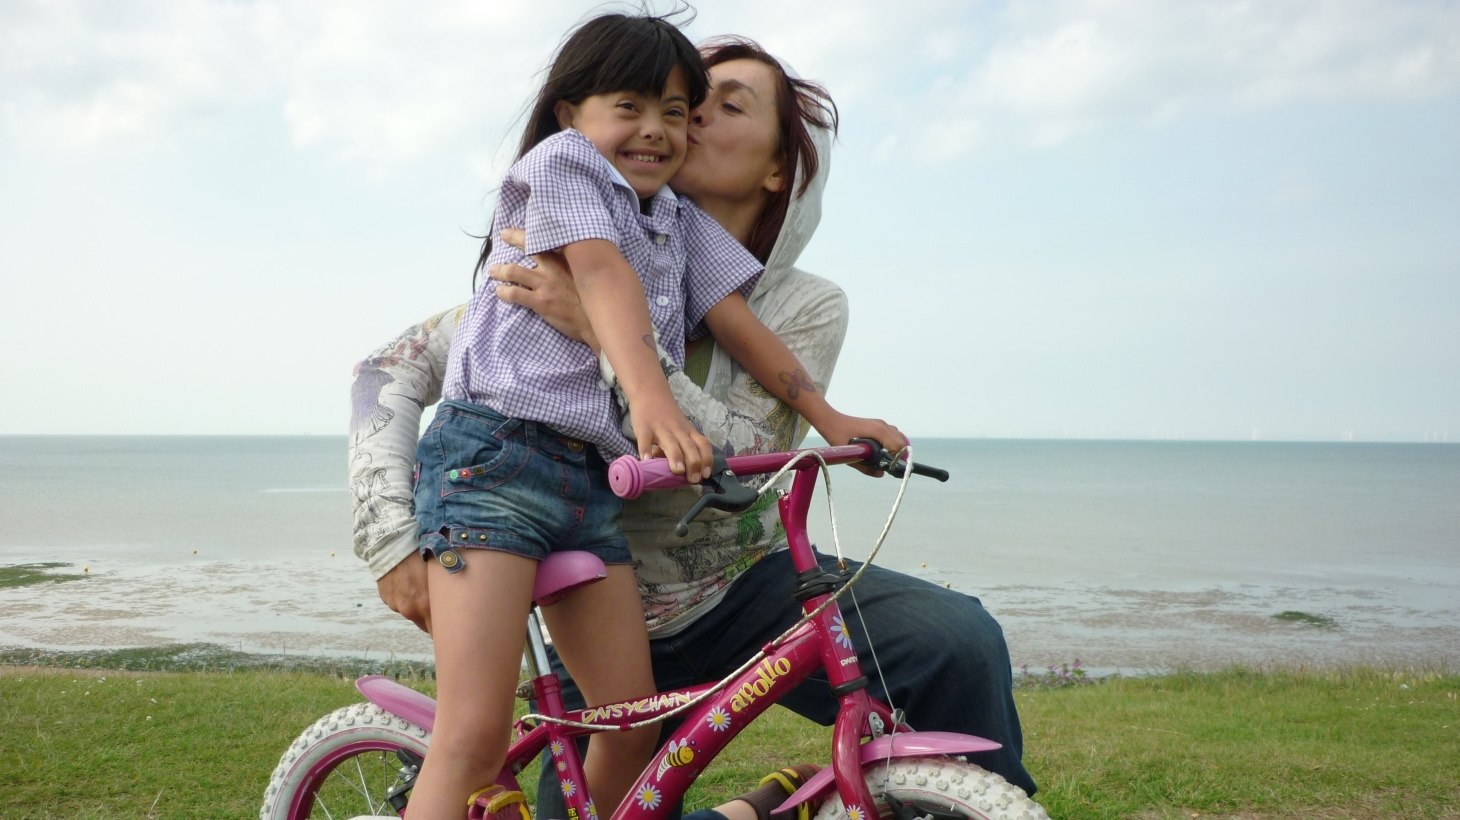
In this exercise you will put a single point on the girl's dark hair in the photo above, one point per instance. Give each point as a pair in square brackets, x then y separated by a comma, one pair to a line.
[799, 104]
[613, 52]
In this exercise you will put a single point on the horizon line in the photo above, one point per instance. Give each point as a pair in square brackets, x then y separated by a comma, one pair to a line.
[1346, 438]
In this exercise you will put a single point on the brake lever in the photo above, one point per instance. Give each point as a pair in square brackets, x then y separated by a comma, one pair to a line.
[886, 462]
[722, 490]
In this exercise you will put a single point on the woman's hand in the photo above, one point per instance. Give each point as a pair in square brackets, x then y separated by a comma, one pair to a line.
[840, 428]
[404, 590]
[547, 290]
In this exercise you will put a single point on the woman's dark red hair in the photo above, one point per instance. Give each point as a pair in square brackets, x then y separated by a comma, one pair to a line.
[800, 104]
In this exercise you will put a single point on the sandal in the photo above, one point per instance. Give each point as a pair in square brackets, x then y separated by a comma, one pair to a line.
[775, 787]
[495, 802]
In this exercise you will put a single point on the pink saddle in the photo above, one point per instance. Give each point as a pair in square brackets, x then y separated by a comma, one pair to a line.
[563, 572]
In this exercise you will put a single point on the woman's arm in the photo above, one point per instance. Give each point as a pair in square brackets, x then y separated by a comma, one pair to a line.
[772, 363]
[391, 389]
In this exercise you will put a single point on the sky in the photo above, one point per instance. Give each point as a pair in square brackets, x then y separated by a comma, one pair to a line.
[1076, 218]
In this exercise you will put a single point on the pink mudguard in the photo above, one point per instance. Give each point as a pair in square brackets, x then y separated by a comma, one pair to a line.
[908, 744]
[398, 700]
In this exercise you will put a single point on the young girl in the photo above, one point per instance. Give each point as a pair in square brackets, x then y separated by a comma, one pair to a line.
[513, 467]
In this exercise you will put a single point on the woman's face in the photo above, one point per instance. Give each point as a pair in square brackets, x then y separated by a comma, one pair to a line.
[733, 136]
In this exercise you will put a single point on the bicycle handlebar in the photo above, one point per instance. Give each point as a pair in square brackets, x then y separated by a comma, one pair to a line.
[631, 477]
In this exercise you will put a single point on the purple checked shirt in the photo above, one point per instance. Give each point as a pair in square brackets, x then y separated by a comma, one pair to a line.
[508, 358]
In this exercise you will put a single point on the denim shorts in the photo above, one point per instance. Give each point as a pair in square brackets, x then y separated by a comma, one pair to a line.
[485, 481]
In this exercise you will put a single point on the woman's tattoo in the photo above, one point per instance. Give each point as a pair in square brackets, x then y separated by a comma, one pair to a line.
[796, 381]
[648, 339]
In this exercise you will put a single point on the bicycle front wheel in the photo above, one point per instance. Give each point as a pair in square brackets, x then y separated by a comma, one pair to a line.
[345, 765]
[938, 787]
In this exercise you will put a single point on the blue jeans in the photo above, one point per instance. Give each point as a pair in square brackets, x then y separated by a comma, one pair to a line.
[942, 653]
[487, 481]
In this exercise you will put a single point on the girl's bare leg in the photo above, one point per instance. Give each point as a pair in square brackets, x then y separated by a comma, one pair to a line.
[479, 620]
[599, 633]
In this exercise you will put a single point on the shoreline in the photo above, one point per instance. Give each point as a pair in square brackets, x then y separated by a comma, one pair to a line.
[208, 658]
[248, 614]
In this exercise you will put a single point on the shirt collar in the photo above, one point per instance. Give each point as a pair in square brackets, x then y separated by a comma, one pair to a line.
[664, 193]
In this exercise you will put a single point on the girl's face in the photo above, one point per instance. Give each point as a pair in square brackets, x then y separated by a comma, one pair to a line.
[643, 136]
[733, 137]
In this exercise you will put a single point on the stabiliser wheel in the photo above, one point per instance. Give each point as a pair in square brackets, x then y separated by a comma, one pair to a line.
[356, 760]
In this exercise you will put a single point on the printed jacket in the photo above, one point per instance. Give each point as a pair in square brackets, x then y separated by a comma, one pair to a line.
[679, 578]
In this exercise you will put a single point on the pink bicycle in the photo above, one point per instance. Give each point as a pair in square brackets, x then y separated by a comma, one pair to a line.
[362, 759]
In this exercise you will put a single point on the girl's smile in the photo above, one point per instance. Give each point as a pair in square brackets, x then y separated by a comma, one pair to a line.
[641, 135]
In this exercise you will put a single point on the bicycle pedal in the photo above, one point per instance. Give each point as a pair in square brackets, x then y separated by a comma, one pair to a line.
[496, 802]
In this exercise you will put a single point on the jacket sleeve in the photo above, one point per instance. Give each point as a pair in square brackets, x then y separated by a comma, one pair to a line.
[391, 389]
[749, 419]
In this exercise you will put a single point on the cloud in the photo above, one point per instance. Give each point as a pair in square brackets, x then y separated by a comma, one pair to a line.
[1057, 70]
[83, 74]
[377, 87]
[381, 86]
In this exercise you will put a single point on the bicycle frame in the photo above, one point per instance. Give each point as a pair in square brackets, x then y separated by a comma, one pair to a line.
[861, 730]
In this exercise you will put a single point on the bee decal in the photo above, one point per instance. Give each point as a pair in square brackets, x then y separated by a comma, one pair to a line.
[679, 753]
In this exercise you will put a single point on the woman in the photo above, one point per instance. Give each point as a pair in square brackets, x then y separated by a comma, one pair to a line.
[757, 164]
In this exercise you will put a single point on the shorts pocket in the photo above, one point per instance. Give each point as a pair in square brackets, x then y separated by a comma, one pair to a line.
[479, 453]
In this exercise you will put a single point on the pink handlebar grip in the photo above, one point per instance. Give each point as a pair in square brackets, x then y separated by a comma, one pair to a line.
[630, 477]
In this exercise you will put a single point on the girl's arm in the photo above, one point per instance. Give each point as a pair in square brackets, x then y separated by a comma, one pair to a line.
[618, 313]
[767, 359]
[744, 418]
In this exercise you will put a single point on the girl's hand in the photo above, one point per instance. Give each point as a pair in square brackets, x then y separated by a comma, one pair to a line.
[547, 290]
[661, 429]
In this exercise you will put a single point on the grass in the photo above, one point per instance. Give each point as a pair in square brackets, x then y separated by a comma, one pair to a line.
[1245, 743]
[1306, 619]
[19, 575]
[93, 743]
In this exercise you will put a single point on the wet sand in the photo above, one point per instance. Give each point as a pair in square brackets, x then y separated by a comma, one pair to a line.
[325, 606]
[1127, 556]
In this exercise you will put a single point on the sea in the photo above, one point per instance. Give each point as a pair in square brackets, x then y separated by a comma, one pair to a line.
[1121, 556]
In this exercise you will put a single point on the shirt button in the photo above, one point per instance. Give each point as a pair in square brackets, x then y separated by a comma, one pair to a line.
[660, 239]
[661, 300]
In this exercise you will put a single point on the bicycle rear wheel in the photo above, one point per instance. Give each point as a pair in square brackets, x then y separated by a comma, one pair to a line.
[941, 788]
[345, 765]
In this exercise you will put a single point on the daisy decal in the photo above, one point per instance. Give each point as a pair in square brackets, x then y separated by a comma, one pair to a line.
[647, 797]
[718, 719]
[562, 765]
[556, 747]
[855, 813]
[569, 788]
[842, 634]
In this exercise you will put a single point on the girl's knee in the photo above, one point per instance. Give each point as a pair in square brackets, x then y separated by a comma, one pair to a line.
[481, 748]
